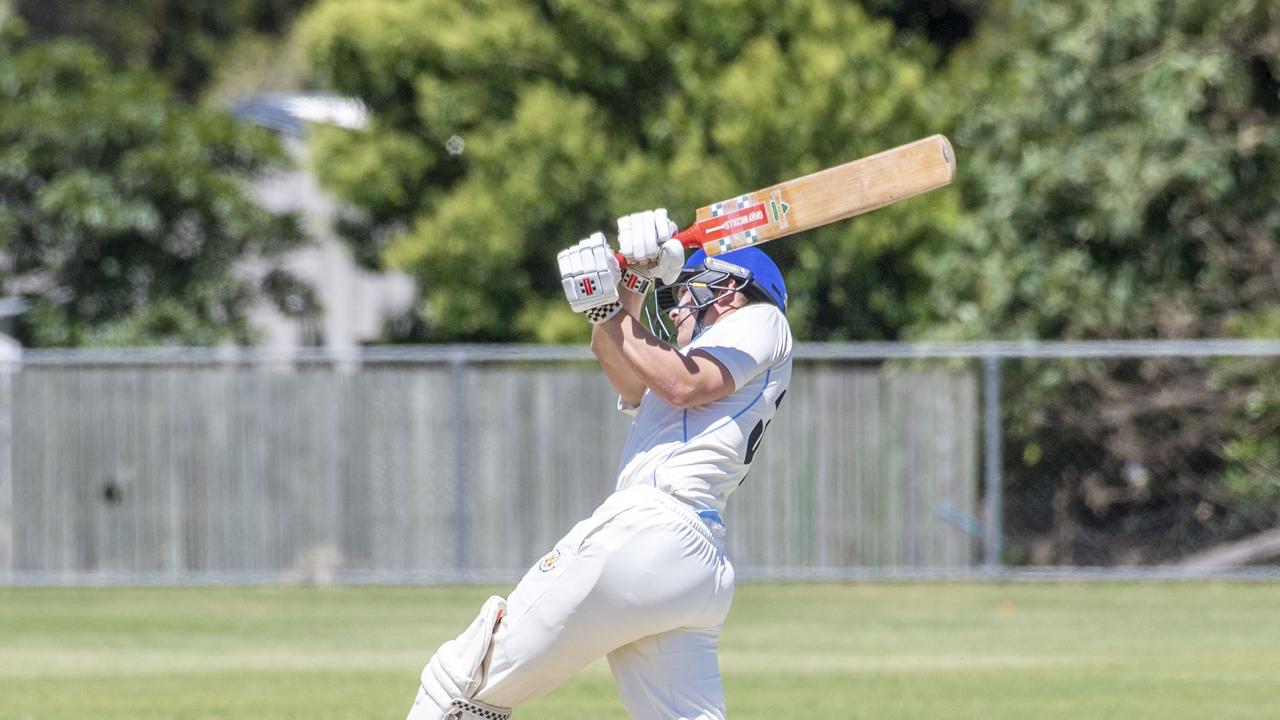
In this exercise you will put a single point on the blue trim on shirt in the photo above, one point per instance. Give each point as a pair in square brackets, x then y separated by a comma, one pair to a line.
[684, 439]
[764, 386]
[712, 515]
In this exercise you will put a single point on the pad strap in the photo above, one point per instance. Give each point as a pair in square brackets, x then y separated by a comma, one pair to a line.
[462, 709]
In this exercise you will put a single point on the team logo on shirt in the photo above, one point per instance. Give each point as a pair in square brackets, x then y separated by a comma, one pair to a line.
[549, 560]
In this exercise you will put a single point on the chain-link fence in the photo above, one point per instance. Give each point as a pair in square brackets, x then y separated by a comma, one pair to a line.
[1125, 459]
[1142, 455]
[1118, 460]
[441, 464]
[1115, 460]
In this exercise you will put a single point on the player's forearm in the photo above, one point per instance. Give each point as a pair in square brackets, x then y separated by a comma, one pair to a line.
[679, 380]
[621, 375]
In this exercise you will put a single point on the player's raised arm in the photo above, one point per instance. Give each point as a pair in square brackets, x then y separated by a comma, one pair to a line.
[622, 376]
[633, 358]
[590, 275]
[682, 381]
[647, 245]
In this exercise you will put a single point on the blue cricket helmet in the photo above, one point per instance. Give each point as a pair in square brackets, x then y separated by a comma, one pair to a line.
[765, 276]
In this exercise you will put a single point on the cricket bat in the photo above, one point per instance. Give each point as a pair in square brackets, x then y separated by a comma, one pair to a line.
[823, 197]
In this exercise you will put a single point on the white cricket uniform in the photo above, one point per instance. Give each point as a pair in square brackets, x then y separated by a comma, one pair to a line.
[645, 580]
[702, 454]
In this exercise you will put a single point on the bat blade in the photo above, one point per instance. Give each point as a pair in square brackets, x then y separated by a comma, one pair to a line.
[823, 197]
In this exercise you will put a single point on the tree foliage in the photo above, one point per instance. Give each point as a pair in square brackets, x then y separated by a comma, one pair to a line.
[573, 112]
[123, 214]
[182, 41]
[944, 23]
[1112, 166]
[1118, 166]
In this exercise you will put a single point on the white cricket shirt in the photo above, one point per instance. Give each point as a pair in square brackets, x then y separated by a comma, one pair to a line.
[702, 454]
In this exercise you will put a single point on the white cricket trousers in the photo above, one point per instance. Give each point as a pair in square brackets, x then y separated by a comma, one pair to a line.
[646, 582]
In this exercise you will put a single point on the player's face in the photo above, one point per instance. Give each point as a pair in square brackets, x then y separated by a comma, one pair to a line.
[682, 317]
[700, 294]
[684, 313]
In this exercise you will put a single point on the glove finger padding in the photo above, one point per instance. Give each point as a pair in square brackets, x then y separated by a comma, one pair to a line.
[640, 236]
[589, 273]
[663, 225]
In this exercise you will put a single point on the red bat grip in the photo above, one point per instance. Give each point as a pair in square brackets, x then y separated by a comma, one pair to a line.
[691, 237]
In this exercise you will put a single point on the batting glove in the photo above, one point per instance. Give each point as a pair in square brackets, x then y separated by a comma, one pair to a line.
[590, 273]
[646, 240]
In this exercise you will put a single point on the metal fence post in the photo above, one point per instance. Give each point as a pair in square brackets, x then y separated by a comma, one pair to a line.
[10, 357]
[993, 540]
[461, 460]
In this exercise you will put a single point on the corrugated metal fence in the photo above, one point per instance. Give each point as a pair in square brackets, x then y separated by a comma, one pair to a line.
[442, 464]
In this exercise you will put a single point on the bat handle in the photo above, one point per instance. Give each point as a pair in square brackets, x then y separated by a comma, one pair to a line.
[692, 237]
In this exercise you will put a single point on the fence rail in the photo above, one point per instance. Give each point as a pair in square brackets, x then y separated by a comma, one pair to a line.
[422, 354]
[463, 463]
[451, 463]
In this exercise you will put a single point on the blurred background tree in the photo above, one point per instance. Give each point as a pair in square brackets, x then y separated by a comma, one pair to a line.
[505, 131]
[184, 42]
[1117, 179]
[946, 24]
[124, 213]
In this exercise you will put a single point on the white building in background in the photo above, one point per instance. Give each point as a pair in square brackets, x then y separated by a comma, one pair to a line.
[355, 303]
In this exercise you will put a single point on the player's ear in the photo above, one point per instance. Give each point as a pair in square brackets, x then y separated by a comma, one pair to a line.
[731, 298]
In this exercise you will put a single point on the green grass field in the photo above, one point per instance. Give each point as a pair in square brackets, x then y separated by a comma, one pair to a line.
[927, 651]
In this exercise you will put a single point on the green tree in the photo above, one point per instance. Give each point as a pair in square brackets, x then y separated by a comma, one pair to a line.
[1118, 164]
[571, 113]
[123, 214]
[945, 23]
[182, 41]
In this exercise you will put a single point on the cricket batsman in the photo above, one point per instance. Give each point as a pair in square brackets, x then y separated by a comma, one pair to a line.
[645, 580]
